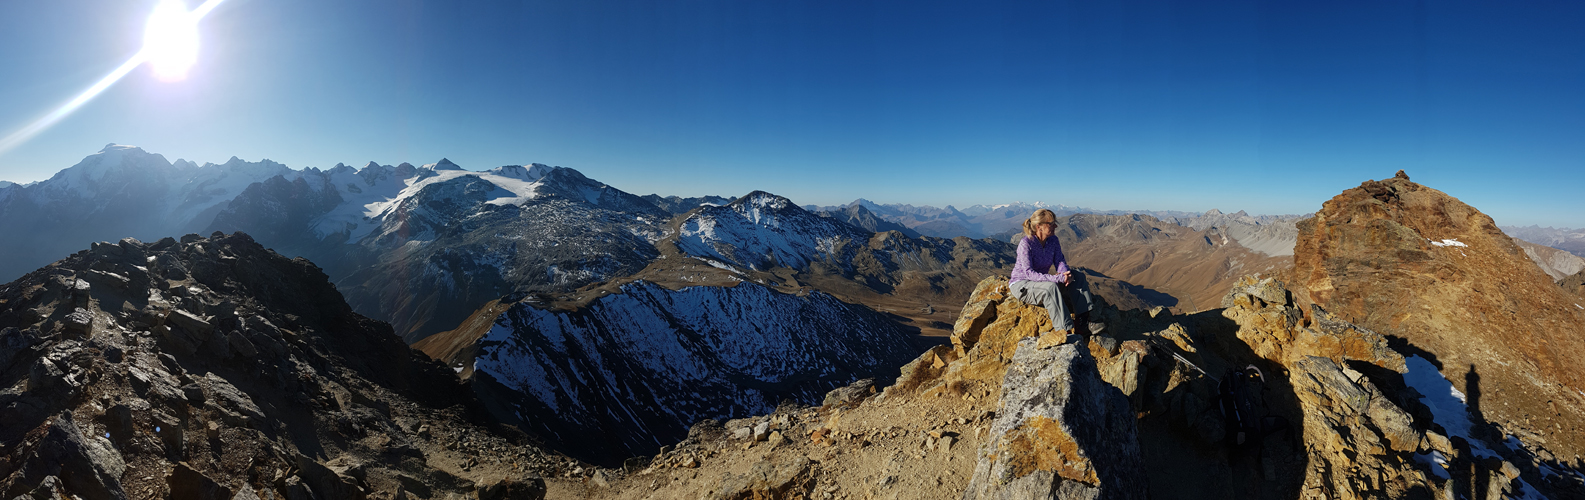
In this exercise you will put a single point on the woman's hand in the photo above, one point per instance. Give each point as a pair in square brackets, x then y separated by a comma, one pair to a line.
[1064, 277]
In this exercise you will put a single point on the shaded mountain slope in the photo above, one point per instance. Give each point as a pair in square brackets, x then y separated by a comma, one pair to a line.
[119, 192]
[634, 369]
[857, 215]
[162, 369]
[1410, 261]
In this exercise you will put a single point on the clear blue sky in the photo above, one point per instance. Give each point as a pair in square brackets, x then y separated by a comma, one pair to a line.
[1270, 107]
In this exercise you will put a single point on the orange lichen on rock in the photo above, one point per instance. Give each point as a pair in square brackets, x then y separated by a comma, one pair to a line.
[1041, 444]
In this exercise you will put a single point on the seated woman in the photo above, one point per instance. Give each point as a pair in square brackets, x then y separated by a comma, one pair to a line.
[1034, 284]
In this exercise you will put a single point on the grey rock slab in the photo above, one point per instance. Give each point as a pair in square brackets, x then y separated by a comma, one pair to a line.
[1062, 433]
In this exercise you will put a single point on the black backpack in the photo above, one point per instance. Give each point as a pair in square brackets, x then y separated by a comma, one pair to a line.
[1241, 396]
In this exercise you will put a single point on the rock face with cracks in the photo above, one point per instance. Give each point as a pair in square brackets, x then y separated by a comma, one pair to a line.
[1062, 432]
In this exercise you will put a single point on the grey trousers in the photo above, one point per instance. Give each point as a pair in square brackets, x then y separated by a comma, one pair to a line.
[1051, 295]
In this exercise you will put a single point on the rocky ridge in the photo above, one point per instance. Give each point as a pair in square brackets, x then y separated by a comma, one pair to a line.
[1413, 262]
[680, 205]
[858, 216]
[1011, 411]
[214, 368]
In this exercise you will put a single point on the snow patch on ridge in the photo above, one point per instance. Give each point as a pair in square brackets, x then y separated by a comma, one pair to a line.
[1449, 242]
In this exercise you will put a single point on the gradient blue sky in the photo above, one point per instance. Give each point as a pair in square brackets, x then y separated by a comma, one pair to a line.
[1270, 107]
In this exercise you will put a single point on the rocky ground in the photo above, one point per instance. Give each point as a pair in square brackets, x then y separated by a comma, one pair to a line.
[213, 368]
[1011, 411]
[1438, 275]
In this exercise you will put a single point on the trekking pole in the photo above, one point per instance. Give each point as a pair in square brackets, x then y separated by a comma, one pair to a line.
[1154, 343]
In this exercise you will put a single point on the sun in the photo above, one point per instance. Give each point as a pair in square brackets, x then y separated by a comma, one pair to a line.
[170, 41]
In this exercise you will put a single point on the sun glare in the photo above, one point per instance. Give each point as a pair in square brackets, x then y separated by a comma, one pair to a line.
[170, 42]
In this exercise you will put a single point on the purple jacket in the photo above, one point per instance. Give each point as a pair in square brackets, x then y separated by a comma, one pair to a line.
[1034, 259]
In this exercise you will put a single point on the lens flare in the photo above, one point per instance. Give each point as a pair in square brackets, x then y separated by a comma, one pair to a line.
[170, 40]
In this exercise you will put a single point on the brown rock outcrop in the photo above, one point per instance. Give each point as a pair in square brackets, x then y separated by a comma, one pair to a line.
[1574, 284]
[1409, 261]
[1275, 329]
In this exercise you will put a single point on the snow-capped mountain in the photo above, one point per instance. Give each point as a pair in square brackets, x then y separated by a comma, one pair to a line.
[679, 205]
[422, 247]
[632, 370]
[118, 192]
[762, 230]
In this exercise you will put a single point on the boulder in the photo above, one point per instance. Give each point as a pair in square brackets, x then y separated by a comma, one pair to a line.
[855, 391]
[65, 453]
[1062, 433]
[528, 488]
[1277, 331]
[188, 484]
[781, 477]
[1360, 444]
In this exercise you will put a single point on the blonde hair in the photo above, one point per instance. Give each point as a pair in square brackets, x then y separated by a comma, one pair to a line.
[1042, 215]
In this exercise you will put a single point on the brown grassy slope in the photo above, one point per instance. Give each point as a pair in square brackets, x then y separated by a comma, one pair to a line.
[1500, 328]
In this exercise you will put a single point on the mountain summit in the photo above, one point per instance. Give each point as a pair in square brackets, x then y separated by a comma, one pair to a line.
[1411, 261]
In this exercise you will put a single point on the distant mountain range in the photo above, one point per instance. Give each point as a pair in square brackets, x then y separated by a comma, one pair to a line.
[1568, 240]
[608, 324]
[1268, 234]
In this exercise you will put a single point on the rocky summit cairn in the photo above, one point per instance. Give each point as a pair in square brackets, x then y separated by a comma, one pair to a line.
[215, 368]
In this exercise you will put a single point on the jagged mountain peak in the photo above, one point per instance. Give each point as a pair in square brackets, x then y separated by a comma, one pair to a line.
[762, 199]
[443, 164]
[112, 158]
[530, 172]
[762, 230]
